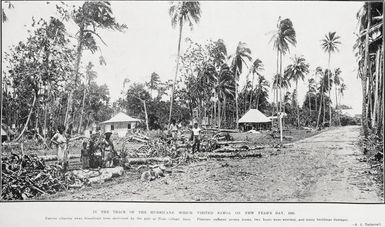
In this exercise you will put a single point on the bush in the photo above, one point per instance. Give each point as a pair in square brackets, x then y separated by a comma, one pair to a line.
[346, 120]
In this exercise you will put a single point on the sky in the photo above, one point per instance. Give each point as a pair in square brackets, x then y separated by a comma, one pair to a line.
[150, 43]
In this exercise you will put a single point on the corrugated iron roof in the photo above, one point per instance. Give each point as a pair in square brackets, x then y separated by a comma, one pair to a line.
[254, 116]
[121, 117]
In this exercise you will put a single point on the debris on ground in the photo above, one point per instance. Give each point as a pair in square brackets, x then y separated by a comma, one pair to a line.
[24, 177]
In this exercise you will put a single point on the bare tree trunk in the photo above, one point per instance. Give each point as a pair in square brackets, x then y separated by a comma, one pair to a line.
[329, 88]
[257, 98]
[370, 99]
[176, 72]
[236, 100]
[380, 94]
[320, 108]
[219, 114]
[145, 113]
[82, 110]
[69, 110]
[309, 104]
[252, 92]
[375, 116]
[280, 97]
[296, 102]
[29, 117]
[364, 76]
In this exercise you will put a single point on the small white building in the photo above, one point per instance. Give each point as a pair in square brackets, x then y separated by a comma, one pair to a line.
[254, 119]
[120, 124]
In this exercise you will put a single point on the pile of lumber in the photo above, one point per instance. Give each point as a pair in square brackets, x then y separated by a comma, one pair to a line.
[26, 177]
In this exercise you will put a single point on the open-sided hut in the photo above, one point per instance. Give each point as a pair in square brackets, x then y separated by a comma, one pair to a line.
[254, 119]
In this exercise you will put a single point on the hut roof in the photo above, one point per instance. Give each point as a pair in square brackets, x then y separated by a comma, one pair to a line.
[121, 117]
[254, 116]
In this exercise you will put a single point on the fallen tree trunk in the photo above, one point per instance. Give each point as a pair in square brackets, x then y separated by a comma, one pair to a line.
[76, 138]
[237, 149]
[230, 142]
[234, 155]
[142, 161]
[222, 130]
[138, 139]
[54, 157]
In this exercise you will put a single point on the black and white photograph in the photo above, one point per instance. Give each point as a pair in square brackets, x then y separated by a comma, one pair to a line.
[192, 101]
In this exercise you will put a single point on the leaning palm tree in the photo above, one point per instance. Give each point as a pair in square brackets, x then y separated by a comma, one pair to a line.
[181, 12]
[256, 67]
[330, 45]
[238, 60]
[91, 17]
[283, 36]
[296, 71]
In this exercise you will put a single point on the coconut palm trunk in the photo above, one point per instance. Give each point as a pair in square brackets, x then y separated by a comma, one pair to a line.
[82, 110]
[375, 117]
[79, 51]
[336, 94]
[330, 98]
[320, 107]
[236, 101]
[296, 101]
[309, 105]
[176, 71]
[364, 76]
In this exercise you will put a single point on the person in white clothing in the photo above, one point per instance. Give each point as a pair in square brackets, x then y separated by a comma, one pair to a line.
[196, 138]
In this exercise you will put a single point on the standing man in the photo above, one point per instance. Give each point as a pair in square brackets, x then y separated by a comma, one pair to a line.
[108, 150]
[196, 138]
[60, 141]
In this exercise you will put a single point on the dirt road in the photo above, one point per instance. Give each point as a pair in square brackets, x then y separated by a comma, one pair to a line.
[321, 168]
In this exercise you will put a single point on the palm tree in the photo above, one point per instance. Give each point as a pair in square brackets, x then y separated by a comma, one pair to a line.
[283, 36]
[341, 91]
[154, 82]
[261, 88]
[329, 45]
[224, 88]
[181, 12]
[90, 17]
[337, 81]
[238, 59]
[296, 71]
[320, 72]
[90, 75]
[256, 67]
[310, 92]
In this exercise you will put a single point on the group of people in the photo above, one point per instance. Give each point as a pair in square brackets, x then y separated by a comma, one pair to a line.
[107, 151]
[195, 131]
[88, 158]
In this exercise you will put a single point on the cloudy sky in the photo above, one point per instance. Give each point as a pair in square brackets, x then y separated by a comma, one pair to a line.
[150, 43]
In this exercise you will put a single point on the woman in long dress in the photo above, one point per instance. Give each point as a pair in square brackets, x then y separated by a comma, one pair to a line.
[61, 145]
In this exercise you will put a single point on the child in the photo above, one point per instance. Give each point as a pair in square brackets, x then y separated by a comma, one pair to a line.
[85, 157]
